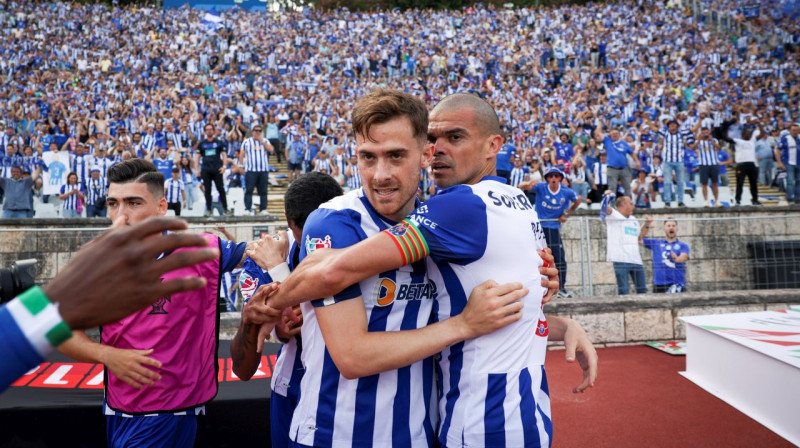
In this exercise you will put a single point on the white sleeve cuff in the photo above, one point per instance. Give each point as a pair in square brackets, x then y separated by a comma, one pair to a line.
[279, 272]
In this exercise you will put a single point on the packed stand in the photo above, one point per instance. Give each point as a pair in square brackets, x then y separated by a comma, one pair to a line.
[87, 86]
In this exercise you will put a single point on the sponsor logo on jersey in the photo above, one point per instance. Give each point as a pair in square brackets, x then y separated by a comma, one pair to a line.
[313, 244]
[542, 329]
[423, 209]
[387, 291]
[248, 285]
[423, 221]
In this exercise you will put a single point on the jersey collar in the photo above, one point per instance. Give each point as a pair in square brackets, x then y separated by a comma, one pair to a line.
[502, 180]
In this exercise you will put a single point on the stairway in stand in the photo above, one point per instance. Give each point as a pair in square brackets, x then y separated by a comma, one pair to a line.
[770, 195]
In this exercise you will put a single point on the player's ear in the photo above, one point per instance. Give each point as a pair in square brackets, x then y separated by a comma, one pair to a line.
[493, 145]
[162, 206]
[427, 155]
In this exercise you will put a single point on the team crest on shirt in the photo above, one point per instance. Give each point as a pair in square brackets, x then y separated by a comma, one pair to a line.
[313, 244]
[248, 285]
[159, 306]
[542, 329]
[399, 229]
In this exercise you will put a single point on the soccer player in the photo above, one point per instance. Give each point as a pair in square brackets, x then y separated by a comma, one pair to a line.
[30, 326]
[353, 402]
[160, 362]
[269, 263]
[669, 257]
[466, 230]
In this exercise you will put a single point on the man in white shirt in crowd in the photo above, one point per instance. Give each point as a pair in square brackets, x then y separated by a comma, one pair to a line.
[622, 247]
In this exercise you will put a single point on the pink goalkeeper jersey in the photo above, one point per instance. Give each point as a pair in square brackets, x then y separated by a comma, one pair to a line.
[182, 330]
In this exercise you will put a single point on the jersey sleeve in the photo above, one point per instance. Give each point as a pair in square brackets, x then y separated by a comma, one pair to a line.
[251, 277]
[685, 249]
[337, 229]
[450, 227]
[230, 255]
[649, 243]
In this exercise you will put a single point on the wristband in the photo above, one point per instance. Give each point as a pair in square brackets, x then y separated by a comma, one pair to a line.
[279, 272]
[39, 320]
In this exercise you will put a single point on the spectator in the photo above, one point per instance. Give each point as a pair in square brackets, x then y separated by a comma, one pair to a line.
[254, 157]
[188, 177]
[622, 246]
[96, 189]
[745, 155]
[72, 197]
[765, 159]
[789, 160]
[214, 158]
[669, 257]
[18, 198]
[674, 142]
[554, 203]
[708, 147]
[578, 177]
[175, 191]
[599, 179]
[617, 151]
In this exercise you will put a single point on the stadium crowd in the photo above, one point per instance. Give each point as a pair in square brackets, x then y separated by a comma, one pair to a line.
[93, 85]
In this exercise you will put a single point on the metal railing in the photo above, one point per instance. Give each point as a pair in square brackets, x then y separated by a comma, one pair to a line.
[726, 253]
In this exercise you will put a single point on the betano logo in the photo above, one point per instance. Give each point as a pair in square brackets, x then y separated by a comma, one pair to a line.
[387, 291]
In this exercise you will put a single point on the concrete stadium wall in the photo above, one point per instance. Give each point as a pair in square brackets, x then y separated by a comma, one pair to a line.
[718, 240]
[656, 317]
[719, 258]
[718, 276]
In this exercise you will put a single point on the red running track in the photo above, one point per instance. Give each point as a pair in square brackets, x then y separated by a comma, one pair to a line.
[640, 401]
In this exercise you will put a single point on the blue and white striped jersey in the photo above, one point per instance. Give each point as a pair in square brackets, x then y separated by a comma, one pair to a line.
[673, 145]
[173, 189]
[354, 181]
[323, 166]
[95, 188]
[288, 369]
[493, 390]
[518, 175]
[340, 161]
[707, 152]
[71, 202]
[256, 157]
[389, 409]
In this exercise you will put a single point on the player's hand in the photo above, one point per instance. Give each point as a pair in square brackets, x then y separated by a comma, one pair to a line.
[490, 307]
[121, 263]
[134, 367]
[256, 311]
[270, 251]
[549, 274]
[579, 346]
[290, 324]
[562, 218]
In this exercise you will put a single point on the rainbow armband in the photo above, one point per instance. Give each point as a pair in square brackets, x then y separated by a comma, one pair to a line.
[409, 241]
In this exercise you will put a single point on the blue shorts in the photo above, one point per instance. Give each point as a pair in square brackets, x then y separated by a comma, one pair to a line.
[158, 431]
